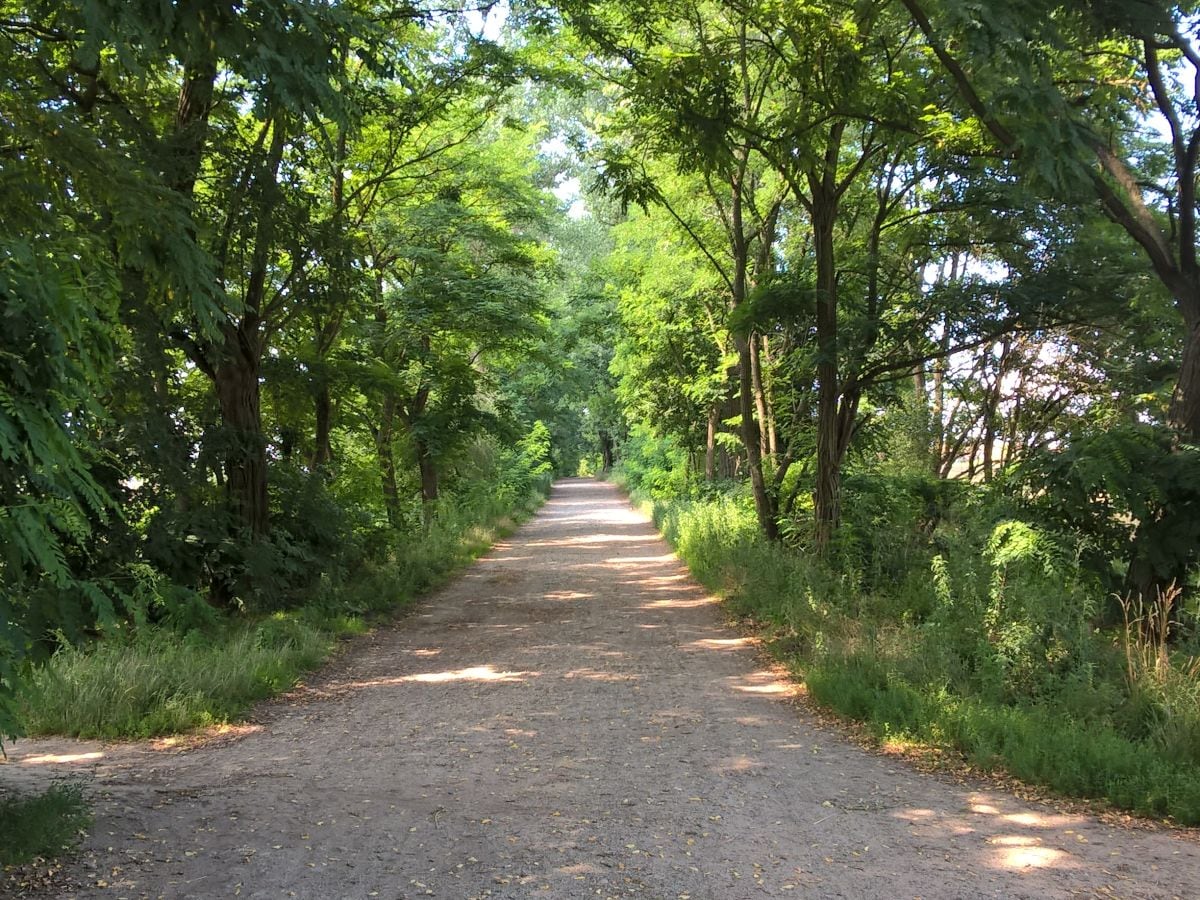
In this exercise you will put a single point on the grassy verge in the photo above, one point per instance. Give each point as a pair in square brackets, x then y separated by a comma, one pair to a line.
[946, 678]
[41, 825]
[161, 682]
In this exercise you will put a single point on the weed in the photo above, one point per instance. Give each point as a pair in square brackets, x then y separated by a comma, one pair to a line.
[42, 825]
[1164, 691]
[989, 649]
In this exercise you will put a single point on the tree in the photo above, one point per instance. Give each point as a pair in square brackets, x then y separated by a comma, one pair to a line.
[1063, 90]
[456, 284]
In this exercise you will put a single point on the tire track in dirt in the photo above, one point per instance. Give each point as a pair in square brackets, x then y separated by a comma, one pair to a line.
[570, 718]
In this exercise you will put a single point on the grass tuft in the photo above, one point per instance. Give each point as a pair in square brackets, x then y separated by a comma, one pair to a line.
[164, 683]
[42, 825]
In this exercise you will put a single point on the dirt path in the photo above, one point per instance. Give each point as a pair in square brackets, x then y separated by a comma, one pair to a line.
[570, 719]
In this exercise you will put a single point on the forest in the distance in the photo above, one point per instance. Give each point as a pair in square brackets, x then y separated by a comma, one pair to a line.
[889, 309]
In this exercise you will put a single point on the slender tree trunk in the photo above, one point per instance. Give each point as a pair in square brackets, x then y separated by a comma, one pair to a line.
[989, 438]
[768, 402]
[386, 458]
[923, 442]
[710, 445]
[991, 411]
[322, 445]
[327, 332]
[729, 465]
[971, 467]
[764, 504]
[827, 499]
[1011, 452]
[607, 456]
[941, 436]
[760, 397]
[429, 473]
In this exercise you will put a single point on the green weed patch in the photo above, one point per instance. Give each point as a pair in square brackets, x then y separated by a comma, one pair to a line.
[161, 682]
[956, 658]
[42, 825]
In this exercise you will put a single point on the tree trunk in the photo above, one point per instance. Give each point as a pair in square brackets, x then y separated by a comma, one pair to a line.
[386, 459]
[236, 373]
[607, 456]
[992, 421]
[236, 382]
[327, 331]
[989, 441]
[429, 477]
[760, 398]
[763, 504]
[710, 445]
[1185, 402]
[185, 144]
[768, 403]
[827, 500]
[941, 436]
[287, 442]
[322, 445]
[923, 439]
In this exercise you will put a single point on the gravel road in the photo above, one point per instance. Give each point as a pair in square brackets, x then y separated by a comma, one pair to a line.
[570, 718]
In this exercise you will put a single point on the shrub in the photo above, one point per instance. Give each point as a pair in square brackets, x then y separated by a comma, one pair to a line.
[42, 825]
[957, 616]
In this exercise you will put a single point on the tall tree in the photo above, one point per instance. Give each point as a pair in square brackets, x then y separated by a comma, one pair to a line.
[1064, 89]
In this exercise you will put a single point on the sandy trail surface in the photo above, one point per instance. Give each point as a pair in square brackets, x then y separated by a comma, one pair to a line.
[571, 718]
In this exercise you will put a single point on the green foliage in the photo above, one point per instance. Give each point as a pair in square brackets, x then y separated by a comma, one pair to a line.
[1134, 496]
[655, 467]
[42, 826]
[535, 449]
[56, 348]
[1036, 744]
[236, 236]
[292, 327]
[163, 683]
[195, 670]
[942, 617]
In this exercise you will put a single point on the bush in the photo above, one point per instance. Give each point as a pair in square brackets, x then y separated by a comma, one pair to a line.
[42, 825]
[181, 666]
[954, 615]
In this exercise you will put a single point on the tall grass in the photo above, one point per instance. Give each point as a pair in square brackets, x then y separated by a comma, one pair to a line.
[986, 647]
[1166, 685]
[162, 682]
[41, 825]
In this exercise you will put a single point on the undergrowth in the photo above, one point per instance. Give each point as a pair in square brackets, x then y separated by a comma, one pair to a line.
[160, 682]
[157, 680]
[41, 825]
[962, 627]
